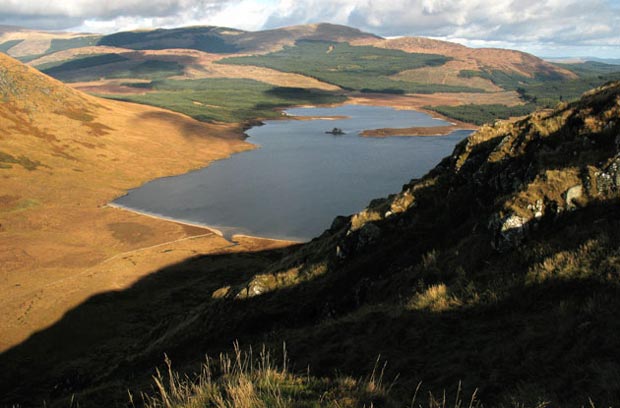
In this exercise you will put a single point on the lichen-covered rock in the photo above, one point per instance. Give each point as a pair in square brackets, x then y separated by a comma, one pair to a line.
[508, 231]
[537, 209]
[608, 180]
[572, 195]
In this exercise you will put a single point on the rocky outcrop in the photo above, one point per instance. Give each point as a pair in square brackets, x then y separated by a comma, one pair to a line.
[504, 181]
[608, 179]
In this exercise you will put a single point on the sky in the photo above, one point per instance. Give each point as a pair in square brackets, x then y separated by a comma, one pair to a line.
[549, 28]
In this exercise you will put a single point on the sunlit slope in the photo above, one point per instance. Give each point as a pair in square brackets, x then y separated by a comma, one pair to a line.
[500, 67]
[63, 156]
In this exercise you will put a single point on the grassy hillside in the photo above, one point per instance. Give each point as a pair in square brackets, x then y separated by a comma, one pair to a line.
[93, 68]
[481, 114]
[229, 40]
[498, 270]
[208, 39]
[536, 93]
[226, 100]
[69, 43]
[361, 68]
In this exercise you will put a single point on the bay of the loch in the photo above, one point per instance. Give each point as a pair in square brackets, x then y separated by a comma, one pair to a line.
[300, 177]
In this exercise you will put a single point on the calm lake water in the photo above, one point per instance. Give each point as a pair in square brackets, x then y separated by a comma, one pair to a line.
[300, 178]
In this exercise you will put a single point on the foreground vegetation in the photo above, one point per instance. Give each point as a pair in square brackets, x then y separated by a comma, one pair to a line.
[243, 381]
[360, 68]
[226, 100]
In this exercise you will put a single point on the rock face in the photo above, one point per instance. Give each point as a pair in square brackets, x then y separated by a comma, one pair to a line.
[509, 230]
[572, 195]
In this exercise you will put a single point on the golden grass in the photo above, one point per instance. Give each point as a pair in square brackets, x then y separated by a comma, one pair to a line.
[243, 381]
[435, 298]
[472, 58]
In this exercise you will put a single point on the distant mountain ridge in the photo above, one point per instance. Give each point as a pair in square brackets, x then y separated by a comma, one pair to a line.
[227, 40]
[569, 60]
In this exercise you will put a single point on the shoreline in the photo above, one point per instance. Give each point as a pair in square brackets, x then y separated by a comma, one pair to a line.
[163, 217]
[200, 225]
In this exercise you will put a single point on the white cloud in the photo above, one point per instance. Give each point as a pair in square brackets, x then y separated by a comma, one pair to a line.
[247, 15]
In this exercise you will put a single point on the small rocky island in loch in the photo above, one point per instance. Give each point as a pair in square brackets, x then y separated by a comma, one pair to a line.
[335, 131]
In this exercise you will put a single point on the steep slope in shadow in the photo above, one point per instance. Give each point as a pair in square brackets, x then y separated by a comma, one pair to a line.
[499, 268]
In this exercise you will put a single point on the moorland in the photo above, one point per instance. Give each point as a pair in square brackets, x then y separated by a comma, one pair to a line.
[492, 278]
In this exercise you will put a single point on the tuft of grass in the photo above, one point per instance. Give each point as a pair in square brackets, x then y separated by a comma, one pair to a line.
[245, 381]
[436, 298]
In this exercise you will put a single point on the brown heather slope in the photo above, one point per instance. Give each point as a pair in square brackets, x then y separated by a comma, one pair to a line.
[465, 58]
[63, 156]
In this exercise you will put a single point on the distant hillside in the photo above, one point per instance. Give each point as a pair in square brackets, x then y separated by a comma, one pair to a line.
[495, 272]
[208, 39]
[228, 40]
[493, 64]
[575, 60]
[28, 44]
[315, 56]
